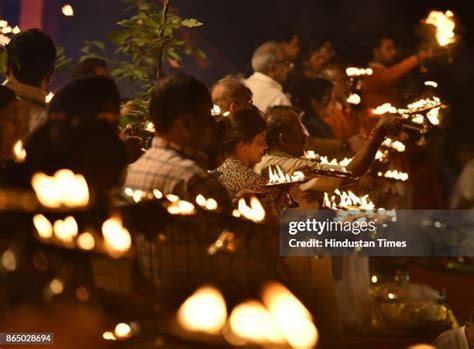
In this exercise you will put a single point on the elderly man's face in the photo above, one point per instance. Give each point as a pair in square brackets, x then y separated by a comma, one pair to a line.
[282, 66]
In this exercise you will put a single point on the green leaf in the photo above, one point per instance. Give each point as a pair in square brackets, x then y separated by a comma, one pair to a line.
[98, 44]
[119, 37]
[191, 22]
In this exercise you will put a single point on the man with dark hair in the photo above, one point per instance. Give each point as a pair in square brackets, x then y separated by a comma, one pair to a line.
[231, 95]
[382, 86]
[91, 67]
[95, 97]
[177, 262]
[180, 108]
[30, 66]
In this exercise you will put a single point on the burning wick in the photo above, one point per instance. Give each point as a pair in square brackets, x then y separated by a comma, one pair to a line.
[395, 145]
[117, 238]
[431, 83]
[19, 151]
[277, 176]
[394, 174]
[347, 200]
[67, 10]
[255, 212]
[204, 311]
[354, 99]
[353, 71]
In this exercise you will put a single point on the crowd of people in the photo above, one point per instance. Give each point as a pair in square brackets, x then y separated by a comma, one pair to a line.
[295, 100]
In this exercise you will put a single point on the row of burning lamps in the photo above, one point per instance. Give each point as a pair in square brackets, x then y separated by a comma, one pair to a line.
[66, 189]
[278, 319]
[380, 155]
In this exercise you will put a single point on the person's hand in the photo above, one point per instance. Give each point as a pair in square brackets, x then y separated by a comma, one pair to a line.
[388, 124]
[304, 198]
[424, 55]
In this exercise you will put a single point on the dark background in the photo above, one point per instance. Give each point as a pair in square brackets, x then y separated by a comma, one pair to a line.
[232, 30]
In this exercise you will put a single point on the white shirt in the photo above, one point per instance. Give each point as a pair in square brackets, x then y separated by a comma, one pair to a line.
[452, 339]
[266, 92]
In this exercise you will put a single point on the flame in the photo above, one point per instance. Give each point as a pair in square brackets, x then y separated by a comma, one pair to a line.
[86, 241]
[49, 97]
[255, 212]
[216, 110]
[43, 226]
[252, 322]
[117, 238]
[421, 104]
[181, 207]
[381, 155]
[150, 127]
[16, 30]
[19, 151]
[421, 346]
[204, 311]
[109, 336]
[433, 116]
[122, 331]
[67, 10]
[418, 119]
[445, 25]
[208, 204]
[430, 105]
[353, 99]
[347, 200]
[3, 23]
[277, 176]
[395, 145]
[64, 188]
[384, 109]
[139, 195]
[334, 163]
[7, 30]
[9, 260]
[431, 83]
[56, 286]
[310, 155]
[353, 71]
[394, 174]
[66, 229]
[290, 316]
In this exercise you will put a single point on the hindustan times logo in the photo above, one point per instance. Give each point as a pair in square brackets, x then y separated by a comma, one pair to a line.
[330, 226]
